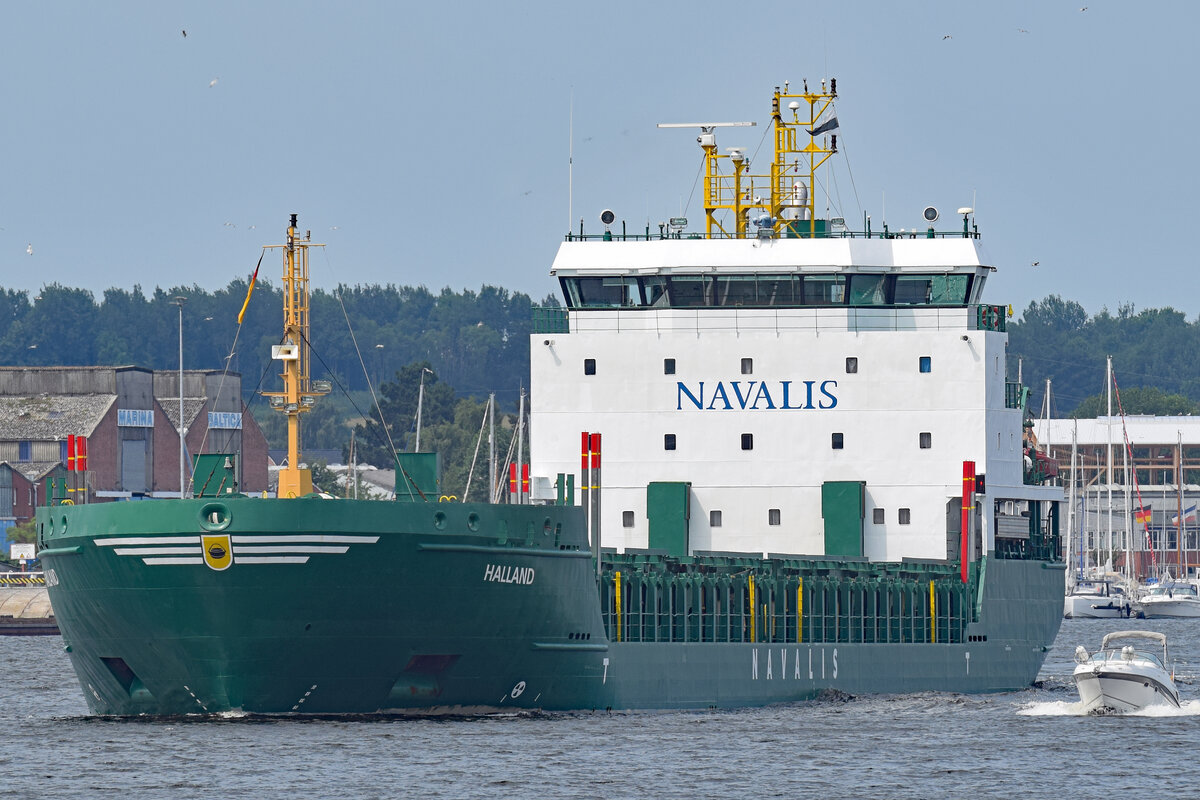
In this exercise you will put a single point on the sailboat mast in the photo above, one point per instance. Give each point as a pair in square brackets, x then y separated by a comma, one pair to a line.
[1109, 469]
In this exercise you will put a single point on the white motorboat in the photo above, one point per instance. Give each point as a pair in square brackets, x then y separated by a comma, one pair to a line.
[1121, 678]
[1169, 600]
[1096, 600]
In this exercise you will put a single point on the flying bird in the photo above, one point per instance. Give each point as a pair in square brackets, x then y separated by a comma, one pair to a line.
[1034, 264]
[947, 36]
[29, 249]
[1083, 9]
[212, 83]
[1022, 30]
[184, 34]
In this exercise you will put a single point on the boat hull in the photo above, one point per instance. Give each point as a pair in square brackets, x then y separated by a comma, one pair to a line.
[1163, 608]
[1094, 607]
[441, 608]
[1122, 690]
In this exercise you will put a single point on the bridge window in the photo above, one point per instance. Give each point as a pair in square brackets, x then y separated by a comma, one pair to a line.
[737, 290]
[685, 291]
[824, 290]
[869, 290]
[610, 292]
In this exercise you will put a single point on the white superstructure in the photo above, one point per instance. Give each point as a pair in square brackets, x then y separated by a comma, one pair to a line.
[761, 368]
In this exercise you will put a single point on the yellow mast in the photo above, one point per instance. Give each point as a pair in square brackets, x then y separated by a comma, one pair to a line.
[298, 395]
[743, 191]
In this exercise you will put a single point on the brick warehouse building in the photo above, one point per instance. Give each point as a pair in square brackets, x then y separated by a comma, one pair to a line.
[130, 417]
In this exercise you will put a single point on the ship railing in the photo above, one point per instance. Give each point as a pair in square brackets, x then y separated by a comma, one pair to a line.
[667, 234]
[840, 318]
[740, 599]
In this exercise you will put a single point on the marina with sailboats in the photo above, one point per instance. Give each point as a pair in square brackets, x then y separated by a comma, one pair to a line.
[1132, 537]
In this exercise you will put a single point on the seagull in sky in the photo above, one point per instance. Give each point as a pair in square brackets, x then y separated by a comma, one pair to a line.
[29, 249]
[947, 36]
[1022, 30]
[184, 34]
[1034, 264]
[212, 83]
[1083, 9]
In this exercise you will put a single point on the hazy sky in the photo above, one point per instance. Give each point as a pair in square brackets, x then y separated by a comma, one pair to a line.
[427, 143]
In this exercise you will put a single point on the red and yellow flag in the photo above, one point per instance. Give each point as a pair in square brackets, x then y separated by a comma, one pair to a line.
[250, 290]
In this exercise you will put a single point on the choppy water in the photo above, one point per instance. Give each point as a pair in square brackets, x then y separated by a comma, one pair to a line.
[1031, 743]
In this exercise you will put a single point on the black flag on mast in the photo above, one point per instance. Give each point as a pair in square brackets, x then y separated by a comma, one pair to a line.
[826, 126]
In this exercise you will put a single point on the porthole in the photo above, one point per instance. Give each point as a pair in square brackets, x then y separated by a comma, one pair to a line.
[439, 520]
[473, 521]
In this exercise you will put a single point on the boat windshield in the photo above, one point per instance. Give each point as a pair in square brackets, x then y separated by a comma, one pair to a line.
[1114, 654]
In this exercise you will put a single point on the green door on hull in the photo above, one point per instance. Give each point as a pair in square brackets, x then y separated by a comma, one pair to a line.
[668, 511]
[842, 509]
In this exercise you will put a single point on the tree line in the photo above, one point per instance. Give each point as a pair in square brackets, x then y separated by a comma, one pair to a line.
[1153, 352]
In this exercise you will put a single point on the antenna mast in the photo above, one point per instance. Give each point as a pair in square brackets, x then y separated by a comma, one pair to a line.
[299, 394]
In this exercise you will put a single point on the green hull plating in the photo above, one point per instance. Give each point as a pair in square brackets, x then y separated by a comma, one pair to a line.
[344, 607]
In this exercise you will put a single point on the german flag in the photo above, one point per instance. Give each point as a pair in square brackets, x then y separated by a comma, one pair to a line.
[1141, 516]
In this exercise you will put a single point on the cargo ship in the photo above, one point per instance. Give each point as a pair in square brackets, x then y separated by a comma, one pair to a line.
[770, 458]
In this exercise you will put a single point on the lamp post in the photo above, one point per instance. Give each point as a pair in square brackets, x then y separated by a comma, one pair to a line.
[179, 301]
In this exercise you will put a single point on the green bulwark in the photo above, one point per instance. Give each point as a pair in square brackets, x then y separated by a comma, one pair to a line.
[842, 509]
[668, 512]
[418, 476]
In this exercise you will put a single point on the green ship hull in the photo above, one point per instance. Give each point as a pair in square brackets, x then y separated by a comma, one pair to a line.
[316, 606]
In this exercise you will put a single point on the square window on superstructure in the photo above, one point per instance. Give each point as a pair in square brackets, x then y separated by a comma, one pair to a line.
[851, 365]
[589, 366]
[926, 364]
[668, 366]
[668, 441]
[877, 516]
[747, 441]
[772, 516]
[905, 516]
[747, 366]
[714, 519]
[926, 440]
[836, 441]
[627, 519]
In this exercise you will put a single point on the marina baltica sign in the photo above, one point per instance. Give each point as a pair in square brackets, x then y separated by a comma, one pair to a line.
[755, 395]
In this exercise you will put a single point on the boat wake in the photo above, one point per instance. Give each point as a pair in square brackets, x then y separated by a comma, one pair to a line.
[1062, 708]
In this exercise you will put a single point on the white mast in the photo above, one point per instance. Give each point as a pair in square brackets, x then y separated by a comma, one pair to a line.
[1108, 471]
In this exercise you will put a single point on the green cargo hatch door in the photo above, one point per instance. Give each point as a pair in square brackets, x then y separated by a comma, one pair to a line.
[842, 508]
